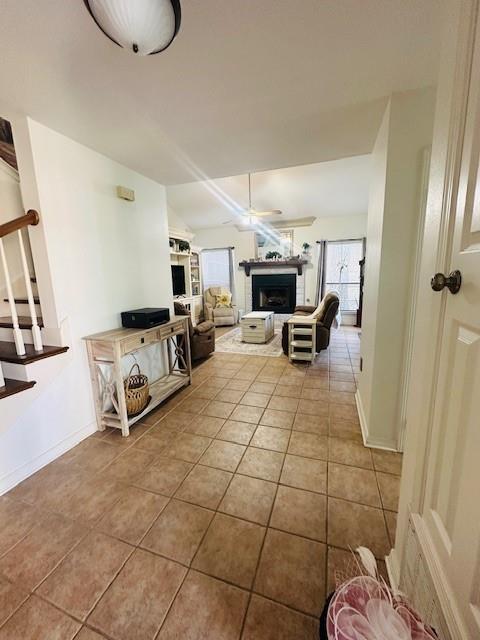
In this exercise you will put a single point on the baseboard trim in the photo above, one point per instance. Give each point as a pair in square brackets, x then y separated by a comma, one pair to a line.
[453, 618]
[27, 469]
[368, 441]
[361, 417]
[393, 570]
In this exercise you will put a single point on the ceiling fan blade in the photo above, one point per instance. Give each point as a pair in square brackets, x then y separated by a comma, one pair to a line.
[253, 213]
[263, 214]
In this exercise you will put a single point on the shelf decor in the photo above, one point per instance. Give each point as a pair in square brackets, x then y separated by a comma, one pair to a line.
[268, 264]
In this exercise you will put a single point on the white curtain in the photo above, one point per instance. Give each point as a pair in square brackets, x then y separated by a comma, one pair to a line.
[218, 269]
[231, 265]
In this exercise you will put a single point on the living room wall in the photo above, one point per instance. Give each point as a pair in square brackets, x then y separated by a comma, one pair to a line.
[393, 225]
[105, 255]
[324, 228]
[176, 222]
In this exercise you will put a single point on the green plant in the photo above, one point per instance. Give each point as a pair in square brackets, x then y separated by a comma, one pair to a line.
[171, 242]
[271, 255]
[183, 245]
[305, 247]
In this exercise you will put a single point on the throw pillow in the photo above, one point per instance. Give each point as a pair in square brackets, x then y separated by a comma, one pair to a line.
[223, 300]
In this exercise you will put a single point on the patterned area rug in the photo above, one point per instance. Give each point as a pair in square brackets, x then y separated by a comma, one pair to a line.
[231, 342]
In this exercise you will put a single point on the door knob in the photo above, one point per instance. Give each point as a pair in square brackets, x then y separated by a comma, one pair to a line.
[453, 282]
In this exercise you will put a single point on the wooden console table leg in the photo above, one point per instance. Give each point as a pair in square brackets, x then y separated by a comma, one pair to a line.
[122, 406]
[188, 355]
[96, 388]
[168, 347]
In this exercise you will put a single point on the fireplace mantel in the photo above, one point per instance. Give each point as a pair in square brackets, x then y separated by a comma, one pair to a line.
[272, 264]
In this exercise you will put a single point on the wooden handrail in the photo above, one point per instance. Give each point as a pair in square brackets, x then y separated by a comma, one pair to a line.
[31, 217]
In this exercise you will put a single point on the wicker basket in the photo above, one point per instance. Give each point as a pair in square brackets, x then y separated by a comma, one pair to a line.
[136, 391]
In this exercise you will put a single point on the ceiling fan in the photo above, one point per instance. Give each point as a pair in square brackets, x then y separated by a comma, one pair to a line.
[251, 213]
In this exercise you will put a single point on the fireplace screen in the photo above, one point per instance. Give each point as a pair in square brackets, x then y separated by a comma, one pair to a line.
[274, 293]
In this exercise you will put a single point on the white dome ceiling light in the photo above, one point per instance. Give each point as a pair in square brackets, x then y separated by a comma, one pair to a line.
[143, 26]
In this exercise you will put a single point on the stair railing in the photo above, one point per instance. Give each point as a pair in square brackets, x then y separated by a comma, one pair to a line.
[30, 218]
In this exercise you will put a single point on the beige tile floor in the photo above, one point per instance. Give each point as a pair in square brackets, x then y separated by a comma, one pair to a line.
[224, 515]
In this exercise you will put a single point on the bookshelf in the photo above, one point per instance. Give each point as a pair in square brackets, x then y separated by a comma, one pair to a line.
[190, 260]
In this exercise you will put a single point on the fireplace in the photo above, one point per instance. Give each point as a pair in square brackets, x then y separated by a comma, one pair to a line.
[276, 293]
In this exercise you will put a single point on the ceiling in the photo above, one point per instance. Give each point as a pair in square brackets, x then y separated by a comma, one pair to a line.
[338, 187]
[247, 85]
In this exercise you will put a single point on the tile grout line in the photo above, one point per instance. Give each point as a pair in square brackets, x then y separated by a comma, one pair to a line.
[190, 567]
[263, 541]
[327, 505]
[177, 406]
[90, 529]
[278, 484]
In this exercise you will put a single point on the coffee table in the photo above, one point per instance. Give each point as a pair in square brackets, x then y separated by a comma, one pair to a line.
[258, 326]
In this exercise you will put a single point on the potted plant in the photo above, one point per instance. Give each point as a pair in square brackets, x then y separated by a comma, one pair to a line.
[171, 242]
[273, 255]
[306, 248]
[184, 246]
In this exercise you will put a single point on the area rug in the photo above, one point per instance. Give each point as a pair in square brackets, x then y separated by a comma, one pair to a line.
[231, 342]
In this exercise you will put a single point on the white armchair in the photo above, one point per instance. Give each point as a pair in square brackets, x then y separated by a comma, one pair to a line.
[220, 316]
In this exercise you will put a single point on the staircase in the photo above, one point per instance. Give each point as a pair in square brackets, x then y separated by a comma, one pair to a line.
[21, 341]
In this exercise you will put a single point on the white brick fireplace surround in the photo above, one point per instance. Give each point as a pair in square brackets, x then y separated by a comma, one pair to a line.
[262, 271]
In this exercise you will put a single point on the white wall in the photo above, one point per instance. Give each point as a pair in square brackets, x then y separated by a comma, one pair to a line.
[324, 228]
[175, 221]
[373, 264]
[10, 198]
[105, 255]
[393, 216]
[11, 207]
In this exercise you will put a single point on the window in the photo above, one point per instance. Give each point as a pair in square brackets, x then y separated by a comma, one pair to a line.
[342, 271]
[217, 268]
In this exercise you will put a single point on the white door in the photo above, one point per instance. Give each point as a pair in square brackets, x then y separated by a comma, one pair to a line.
[451, 505]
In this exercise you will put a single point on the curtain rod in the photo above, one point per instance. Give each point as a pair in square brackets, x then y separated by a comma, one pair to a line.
[342, 240]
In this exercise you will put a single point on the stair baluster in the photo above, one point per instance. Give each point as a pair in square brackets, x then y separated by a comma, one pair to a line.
[2, 379]
[37, 338]
[17, 333]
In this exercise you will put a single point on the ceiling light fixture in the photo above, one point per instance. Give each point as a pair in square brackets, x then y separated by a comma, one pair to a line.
[143, 26]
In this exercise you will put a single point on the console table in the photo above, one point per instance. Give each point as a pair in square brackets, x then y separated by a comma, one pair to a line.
[105, 353]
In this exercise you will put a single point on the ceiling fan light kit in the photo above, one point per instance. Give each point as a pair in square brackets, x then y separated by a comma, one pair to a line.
[145, 27]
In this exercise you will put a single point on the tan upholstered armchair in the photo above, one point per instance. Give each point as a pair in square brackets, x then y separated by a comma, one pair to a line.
[220, 316]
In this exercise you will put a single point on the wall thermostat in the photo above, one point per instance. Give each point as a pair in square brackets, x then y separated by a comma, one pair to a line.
[126, 194]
